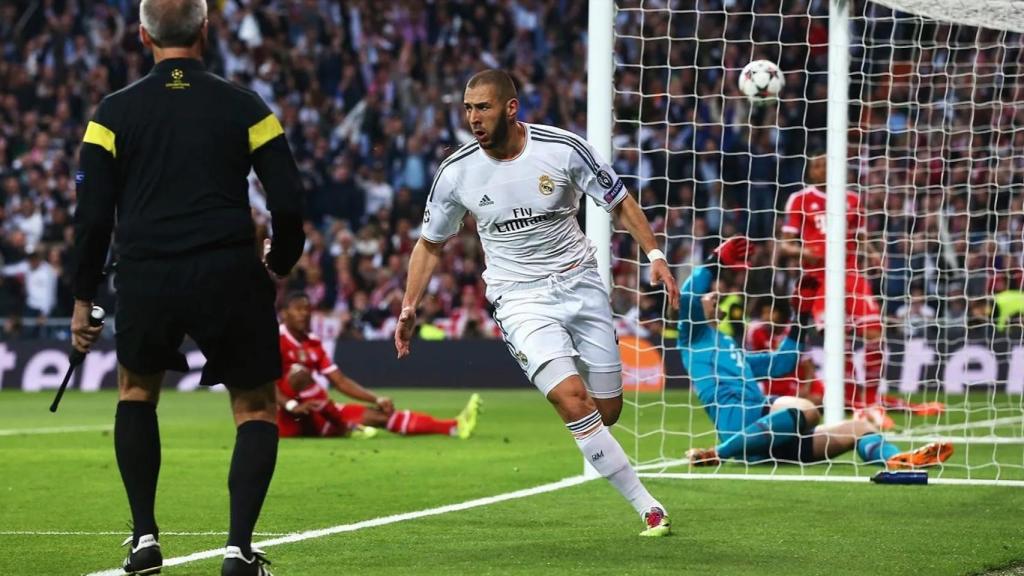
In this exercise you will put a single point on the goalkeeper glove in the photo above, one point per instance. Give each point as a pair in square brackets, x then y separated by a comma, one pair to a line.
[733, 253]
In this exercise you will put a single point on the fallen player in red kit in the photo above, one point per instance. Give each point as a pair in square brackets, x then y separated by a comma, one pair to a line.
[306, 409]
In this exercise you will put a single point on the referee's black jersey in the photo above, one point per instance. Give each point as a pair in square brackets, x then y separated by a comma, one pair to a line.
[168, 158]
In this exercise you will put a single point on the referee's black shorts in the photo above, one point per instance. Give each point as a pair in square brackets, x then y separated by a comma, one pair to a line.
[223, 298]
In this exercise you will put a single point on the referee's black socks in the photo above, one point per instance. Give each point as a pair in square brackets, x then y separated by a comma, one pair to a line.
[252, 467]
[137, 445]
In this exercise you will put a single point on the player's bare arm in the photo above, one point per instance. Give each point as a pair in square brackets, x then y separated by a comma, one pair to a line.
[635, 221]
[791, 247]
[353, 389]
[424, 259]
[299, 378]
[291, 405]
[282, 400]
[872, 256]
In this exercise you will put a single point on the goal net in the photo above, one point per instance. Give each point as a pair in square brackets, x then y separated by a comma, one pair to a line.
[935, 156]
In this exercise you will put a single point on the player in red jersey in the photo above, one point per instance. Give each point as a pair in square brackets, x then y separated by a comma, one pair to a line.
[803, 237]
[306, 409]
[767, 333]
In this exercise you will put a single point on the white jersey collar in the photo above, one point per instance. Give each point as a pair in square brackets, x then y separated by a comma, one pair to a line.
[522, 153]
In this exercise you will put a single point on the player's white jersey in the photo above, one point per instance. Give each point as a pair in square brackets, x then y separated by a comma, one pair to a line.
[525, 207]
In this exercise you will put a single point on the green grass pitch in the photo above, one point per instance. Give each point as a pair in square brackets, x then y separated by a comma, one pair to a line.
[68, 482]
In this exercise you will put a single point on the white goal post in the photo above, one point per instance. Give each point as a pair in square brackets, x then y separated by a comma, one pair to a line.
[877, 130]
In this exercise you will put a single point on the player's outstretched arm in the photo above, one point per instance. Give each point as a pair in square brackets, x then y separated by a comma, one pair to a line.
[635, 221]
[691, 313]
[868, 248]
[733, 253]
[282, 399]
[422, 263]
[353, 389]
[789, 246]
[778, 363]
[775, 363]
[289, 404]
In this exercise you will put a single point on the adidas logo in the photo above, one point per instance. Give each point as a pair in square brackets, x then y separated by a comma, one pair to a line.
[486, 201]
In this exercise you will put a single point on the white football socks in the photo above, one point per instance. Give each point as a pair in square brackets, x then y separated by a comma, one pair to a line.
[605, 454]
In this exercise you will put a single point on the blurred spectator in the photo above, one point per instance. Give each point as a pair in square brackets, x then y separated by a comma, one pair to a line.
[916, 316]
[29, 221]
[956, 309]
[979, 312]
[12, 329]
[40, 281]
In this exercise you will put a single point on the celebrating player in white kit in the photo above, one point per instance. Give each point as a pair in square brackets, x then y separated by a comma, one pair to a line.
[523, 183]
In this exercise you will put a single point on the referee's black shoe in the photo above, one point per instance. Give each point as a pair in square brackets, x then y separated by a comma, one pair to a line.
[143, 558]
[236, 564]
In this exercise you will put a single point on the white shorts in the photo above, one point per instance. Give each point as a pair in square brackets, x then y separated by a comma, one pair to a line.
[564, 315]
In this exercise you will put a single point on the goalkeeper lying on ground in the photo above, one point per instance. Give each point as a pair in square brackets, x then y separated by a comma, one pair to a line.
[751, 426]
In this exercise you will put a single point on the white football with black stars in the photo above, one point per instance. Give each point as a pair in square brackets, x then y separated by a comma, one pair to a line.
[761, 81]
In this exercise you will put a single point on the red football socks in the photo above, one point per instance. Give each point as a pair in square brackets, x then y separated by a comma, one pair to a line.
[409, 423]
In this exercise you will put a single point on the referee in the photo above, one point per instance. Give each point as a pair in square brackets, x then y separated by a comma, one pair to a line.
[165, 162]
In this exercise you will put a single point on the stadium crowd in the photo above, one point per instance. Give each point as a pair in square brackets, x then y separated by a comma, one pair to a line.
[370, 97]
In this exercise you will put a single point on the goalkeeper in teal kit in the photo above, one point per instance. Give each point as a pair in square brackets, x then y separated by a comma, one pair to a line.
[752, 427]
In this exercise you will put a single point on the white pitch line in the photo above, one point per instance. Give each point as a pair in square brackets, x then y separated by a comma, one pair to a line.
[374, 522]
[992, 423]
[918, 438]
[661, 464]
[795, 478]
[55, 430]
[767, 477]
[123, 533]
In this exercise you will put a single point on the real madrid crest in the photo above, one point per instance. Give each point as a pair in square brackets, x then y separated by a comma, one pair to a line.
[547, 185]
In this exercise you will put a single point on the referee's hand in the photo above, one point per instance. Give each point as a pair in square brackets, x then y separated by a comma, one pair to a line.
[266, 252]
[403, 332]
[82, 334]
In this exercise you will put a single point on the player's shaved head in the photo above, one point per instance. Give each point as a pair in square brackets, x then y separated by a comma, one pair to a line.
[173, 23]
[504, 87]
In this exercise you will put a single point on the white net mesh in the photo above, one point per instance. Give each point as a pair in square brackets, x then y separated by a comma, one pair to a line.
[936, 163]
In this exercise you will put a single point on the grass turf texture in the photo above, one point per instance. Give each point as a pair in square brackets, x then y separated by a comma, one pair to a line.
[69, 482]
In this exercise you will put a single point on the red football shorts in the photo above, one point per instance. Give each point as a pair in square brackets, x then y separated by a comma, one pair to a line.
[317, 425]
[862, 311]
